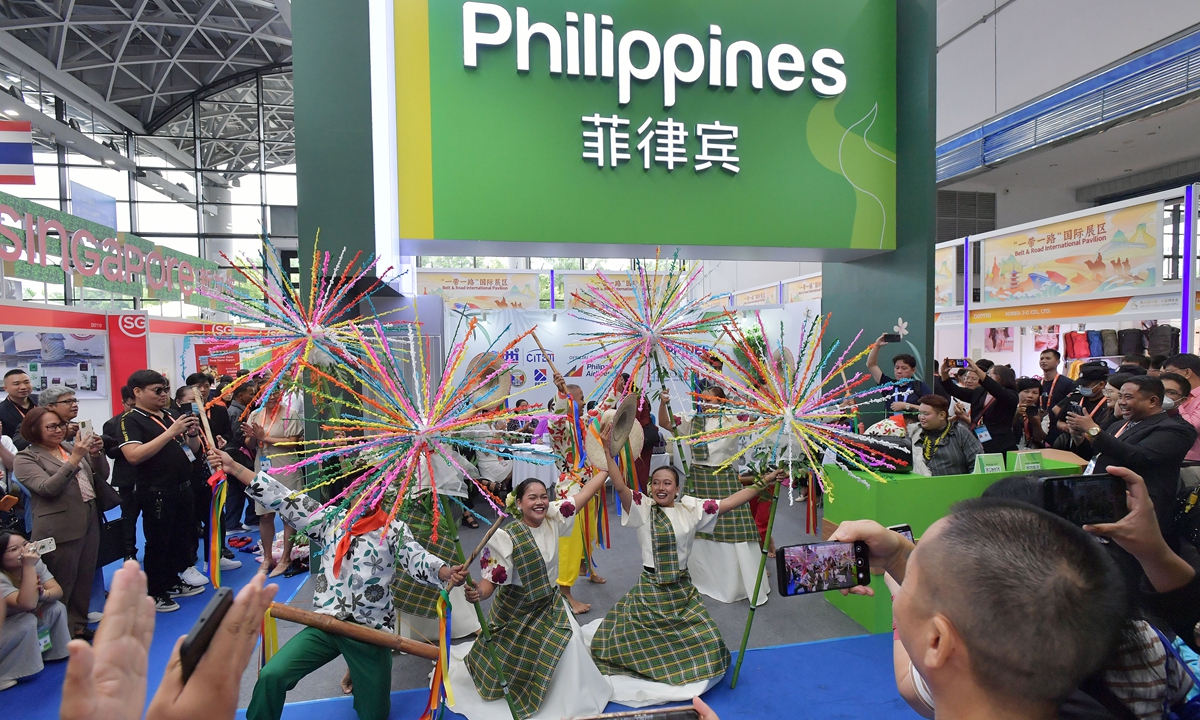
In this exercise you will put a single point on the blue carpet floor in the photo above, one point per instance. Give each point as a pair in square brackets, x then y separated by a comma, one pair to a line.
[829, 679]
[39, 696]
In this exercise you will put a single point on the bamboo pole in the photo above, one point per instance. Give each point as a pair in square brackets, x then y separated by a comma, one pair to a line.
[762, 566]
[662, 386]
[361, 633]
[485, 633]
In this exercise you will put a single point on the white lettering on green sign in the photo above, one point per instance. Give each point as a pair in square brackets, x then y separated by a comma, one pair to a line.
[785, 66]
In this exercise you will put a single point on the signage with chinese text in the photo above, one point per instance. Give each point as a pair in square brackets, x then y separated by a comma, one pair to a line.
[481, 289]
[765, 123]
[802, 289]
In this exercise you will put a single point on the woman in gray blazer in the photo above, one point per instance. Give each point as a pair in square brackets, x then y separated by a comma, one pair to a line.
[67, 484]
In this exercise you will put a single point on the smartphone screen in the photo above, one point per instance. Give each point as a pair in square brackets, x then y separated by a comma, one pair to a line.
[905, 530]
[201, 634]
[1085, 499]
[818, 567]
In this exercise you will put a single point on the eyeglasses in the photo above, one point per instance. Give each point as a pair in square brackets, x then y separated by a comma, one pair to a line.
[72, 401]
[14, 550]
[55, 426]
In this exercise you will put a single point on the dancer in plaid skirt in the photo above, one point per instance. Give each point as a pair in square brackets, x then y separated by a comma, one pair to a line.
[725, 559]
[537, 646]
[659, 644]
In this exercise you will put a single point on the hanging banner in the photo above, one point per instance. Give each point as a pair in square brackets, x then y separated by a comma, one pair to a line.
[1118, 250]
[945, 278]
[768, 295]
[482, 289]
[807, 288]
[575, 283]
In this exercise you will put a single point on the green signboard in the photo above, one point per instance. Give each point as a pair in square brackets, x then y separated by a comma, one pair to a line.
[703, 124]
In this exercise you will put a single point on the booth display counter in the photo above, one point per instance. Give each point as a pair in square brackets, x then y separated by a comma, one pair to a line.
[915, 500]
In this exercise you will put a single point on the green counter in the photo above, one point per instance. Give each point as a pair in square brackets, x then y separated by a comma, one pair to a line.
[915, 500]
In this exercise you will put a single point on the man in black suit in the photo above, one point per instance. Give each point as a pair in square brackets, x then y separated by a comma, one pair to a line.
[20, 400]
[1148, 441]
[124, 475]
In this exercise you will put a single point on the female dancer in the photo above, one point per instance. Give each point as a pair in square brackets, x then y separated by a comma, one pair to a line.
[659, 634]
[726, 555]
[536, 644]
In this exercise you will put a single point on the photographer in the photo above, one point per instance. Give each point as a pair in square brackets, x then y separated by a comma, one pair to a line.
[162, 447]
[1149, 441]
[993, 403]
[1003, 608]
[1087, 398]
[1027, 423]
[908, 389]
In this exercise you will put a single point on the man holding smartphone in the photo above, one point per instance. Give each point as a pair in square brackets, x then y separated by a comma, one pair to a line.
[162, 447]
[909, 389]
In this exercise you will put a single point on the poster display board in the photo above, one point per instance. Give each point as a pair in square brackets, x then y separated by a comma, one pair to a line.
[481, 289]
[769, 121]
[1105, 253]
[75, 359]
[945, 278]
[577, 282]
[802, 289]
[766, 295]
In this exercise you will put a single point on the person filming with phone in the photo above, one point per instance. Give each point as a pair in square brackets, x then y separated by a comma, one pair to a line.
[67, 483]
[29, 596]
[1149, 441]
[993, 403]
[908, 388]
[1027, 424]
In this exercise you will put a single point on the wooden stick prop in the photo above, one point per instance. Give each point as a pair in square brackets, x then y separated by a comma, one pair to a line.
[361, 633]
[485, 633]
[545, 354]
[762, 566]
[198, 407]
[479, 548]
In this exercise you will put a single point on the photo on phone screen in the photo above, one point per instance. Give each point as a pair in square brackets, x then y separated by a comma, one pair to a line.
[201, 634]
[818, 567]
[961, 363]
[905, 530]
[1085, 499]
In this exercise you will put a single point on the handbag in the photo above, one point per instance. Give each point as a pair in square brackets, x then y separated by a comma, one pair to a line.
[112, 542]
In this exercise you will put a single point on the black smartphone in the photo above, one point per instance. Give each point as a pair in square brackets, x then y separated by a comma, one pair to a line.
[818, 567]
[891, 337]
[201, 634]
[683, 712]
[905, 530]
[1085, 499]
[1076, 409]
[960, 363]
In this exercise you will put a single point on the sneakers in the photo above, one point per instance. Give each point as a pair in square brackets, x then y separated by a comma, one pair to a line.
[227, 564]
[165, 605]
[226, 553]
[95, 617]
[184, 590]
[192, 576]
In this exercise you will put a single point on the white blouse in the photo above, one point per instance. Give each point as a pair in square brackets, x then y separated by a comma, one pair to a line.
[496, 560]
[688, 516]
[719, 450]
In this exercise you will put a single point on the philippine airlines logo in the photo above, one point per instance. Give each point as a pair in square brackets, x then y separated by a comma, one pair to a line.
[133, 326]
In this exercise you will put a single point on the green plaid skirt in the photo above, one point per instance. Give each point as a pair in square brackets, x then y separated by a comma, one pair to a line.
[735, 526]
[410, 596]
[529, 639]
[661, 633]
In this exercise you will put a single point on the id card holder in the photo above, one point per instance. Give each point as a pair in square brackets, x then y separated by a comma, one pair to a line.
[44, 639]
[187, 450]
[982, 433]
[1091, 466]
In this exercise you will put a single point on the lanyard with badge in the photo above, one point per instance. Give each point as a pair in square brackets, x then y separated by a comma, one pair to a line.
[1049, 397]
[979, 428]
[187, 450]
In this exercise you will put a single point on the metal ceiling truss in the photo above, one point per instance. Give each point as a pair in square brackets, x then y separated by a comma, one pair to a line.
[143, 56]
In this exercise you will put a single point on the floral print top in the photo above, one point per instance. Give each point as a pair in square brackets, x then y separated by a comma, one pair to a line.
[688, 516]
[361, 593]
[496, 560]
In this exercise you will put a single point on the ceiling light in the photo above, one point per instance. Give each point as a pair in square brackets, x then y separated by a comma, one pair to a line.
[11, 113]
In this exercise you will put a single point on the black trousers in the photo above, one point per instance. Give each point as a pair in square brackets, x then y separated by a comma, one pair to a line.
[201, 511]
[236, 501]
[130, 509]
[170, 529]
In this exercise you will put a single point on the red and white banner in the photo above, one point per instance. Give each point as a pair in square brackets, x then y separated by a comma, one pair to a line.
[128, 349]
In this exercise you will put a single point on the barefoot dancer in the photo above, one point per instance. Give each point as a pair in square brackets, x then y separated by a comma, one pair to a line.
[659, 643]
[537, 643]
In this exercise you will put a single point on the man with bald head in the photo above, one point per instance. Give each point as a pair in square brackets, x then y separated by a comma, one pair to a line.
[1003, 609]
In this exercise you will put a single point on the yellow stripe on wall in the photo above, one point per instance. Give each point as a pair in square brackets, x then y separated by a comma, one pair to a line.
[414, 135]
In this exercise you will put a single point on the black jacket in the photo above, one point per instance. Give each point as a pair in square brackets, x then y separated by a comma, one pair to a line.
[997, 415]
[11, 417]
[1153, 448]
[123, 473]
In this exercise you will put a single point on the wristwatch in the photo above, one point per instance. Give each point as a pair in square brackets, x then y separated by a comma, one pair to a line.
[1093, 431]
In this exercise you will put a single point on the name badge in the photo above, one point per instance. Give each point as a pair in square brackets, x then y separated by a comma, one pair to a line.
[982, 433]
[191, 456]
[43, 636]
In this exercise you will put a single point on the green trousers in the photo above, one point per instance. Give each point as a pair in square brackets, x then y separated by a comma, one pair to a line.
[370, 670]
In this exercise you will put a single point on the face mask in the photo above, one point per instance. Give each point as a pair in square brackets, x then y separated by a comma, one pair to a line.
[1168, 403]
[1086, 391]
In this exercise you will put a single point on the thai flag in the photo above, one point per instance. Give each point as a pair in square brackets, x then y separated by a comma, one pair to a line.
[16, 153]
